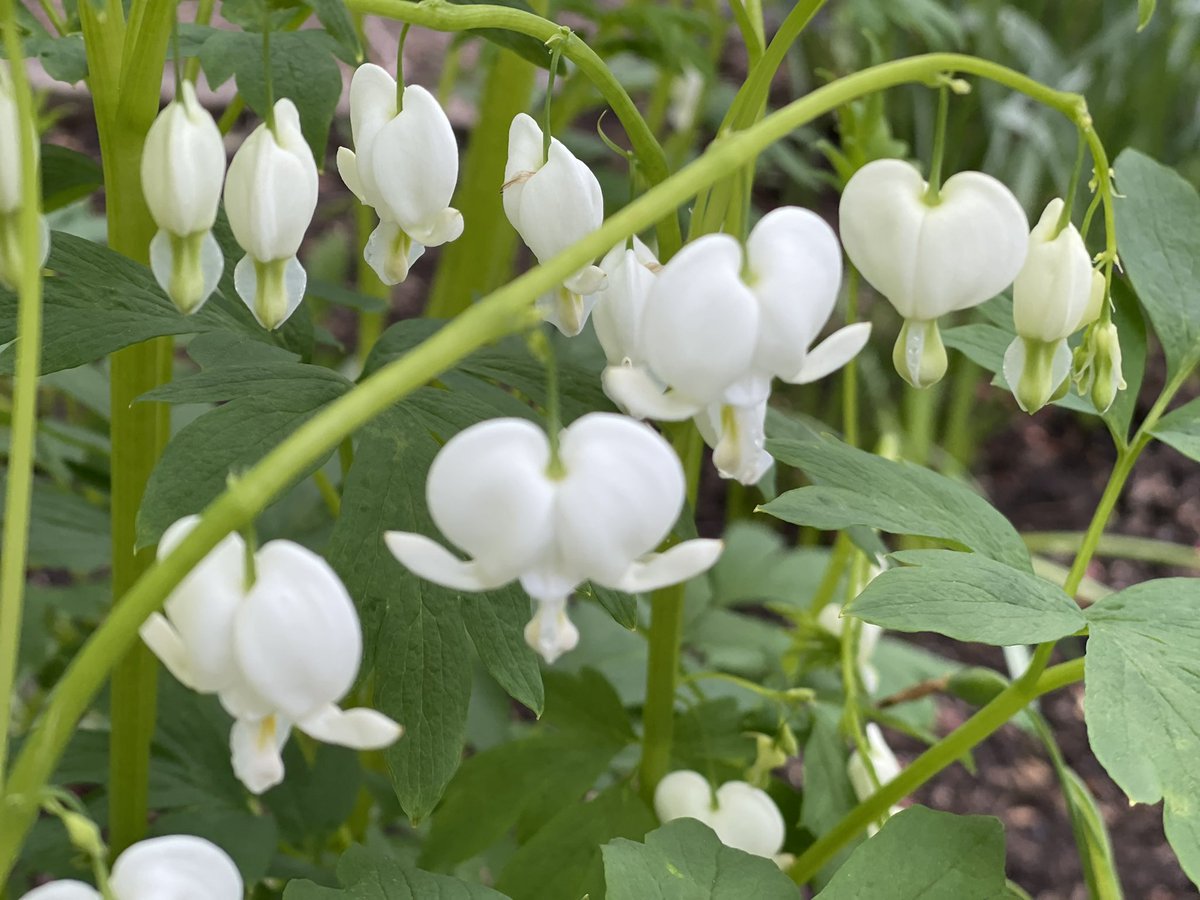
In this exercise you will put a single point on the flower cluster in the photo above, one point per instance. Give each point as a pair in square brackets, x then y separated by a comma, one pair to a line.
[279, 643]
[594, 508]
[175, 866]
[931, 254]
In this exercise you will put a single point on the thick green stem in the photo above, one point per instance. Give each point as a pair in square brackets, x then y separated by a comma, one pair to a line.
[19, 483]
[125, 74]
[942, 754]
[666, 641]
[505, 311]
[481, 260]
[1124, 546]
[444, 16]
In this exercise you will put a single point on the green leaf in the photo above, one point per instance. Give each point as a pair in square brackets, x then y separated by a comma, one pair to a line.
[621, 606]
[1158, 231]
[1180, 429]
[63, 58]
[317, 796]
[496, 623]
[67, 176]
[563, 859]
[529, 779]
[303, 69]
[967, 597]
[249, 840]
[1091, 833]
[828, 794]
[684, 860]
[370, 874]
[65, 531]
[1145, 12]
[757, 567]
[97, 301]
[586, 704]
[854, 487]
[266, 404]
[423, 677]
[1142, 702]
[920, 854]
[335, 18]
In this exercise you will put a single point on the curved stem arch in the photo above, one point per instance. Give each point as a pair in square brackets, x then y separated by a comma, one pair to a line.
[504, 311]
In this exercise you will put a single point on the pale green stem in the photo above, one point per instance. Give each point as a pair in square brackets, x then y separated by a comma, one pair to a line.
[665, 644]
[942, 754]
[505, 311]
[19, 482]
[125, 64]
[1121, 546]
[204, 13]
[850, 371]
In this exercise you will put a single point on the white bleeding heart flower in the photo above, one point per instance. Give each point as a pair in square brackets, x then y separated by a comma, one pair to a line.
[553, 201]
[1097, 363]
[598, 515]
[270, 197]
[1056, 293]
[742, 816]
[617, 315]
[405, 165]
[883, 761]
[830, 618]
[279, 653]
[11, 254]
[718, 325]
[183, 169]
[687, 90]
[174, 867]
[930, 259]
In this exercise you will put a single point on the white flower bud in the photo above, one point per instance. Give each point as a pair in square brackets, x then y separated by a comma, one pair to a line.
[930, 260]
[405, 165]
[279, 653]
[270, 197]
[178, 866]
[598, 515]
[742, 816]
[553, 202]
[11, 195]
[883, 761]
[183, 168]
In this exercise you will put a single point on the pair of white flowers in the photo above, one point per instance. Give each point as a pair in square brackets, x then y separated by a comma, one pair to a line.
[279, 645]
[931, 257]
[703, 336]
[180, 867]
[11, 194]
[595, 511]
[270, 195]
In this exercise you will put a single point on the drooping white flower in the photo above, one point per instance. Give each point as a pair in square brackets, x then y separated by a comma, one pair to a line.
[174, 867]
[930, 260]
[183, 169]
[553, 201]
[629, 277]
[742, 816]
[493, 492]
[687, 90]
[270, 197]
[278, 653]
[405, 165]
[1056, 293]
[883, 761]
[711, 336]
[11, 255]
[830, 618]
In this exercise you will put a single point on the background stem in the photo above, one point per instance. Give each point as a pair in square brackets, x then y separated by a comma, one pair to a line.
[126, 62]
[19, 481]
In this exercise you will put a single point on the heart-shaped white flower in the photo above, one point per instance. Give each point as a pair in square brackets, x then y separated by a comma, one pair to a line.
[177, 866]
[930, 259]
[742, 816]
[617, 490]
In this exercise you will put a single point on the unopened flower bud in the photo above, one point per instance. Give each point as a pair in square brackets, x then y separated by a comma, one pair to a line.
[11, 192]
[270, 197]
[1107, 378]
[183, 168]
